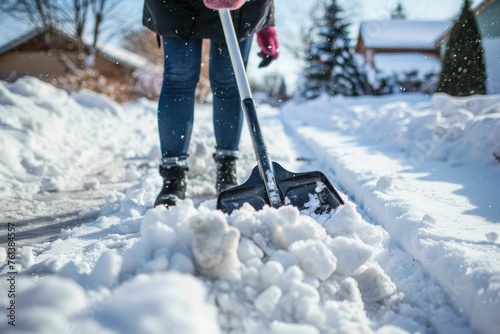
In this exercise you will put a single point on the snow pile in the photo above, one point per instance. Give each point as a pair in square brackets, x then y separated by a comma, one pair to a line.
[49, 138]
[445, 128]
[466, 128]
[426, 170]
[159, 303]
[272, 271]
[192, 269]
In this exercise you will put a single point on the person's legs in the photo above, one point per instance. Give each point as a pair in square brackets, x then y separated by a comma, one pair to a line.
[176, 114]
[227, 111]
[182, 60]
[227, 114]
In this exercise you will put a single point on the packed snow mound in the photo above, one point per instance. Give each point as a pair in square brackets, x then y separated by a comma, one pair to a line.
[454, 129]
[188, 270]
[424, 168]
[193, 269]
[49, 138]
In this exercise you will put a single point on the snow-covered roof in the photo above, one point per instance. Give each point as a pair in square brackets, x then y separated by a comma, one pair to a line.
[109, 51]
[119, 55]
[13, 40]
[483, 5]
[403, 34]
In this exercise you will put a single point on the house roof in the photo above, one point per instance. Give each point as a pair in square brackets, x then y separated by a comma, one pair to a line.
[111, 52]
[10, 42]
[120, 55]
[483, 5]
[402, 34]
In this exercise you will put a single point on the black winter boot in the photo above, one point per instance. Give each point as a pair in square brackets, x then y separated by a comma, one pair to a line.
[226, 172]
[174, 185]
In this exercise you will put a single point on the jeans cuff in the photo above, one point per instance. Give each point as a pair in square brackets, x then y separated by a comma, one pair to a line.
[174, 161]
[225, 153]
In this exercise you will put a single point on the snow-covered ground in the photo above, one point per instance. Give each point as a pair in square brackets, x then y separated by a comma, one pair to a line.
[415, 249]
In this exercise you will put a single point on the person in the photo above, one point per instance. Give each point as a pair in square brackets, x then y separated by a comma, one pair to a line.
[182, 24]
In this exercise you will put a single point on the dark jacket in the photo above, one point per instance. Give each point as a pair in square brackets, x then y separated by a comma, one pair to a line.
[191, 19]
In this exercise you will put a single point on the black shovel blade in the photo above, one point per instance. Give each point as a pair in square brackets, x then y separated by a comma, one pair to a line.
[303, 190]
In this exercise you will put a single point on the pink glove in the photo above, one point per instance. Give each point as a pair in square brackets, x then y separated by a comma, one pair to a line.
[220, 4]
[268, 42]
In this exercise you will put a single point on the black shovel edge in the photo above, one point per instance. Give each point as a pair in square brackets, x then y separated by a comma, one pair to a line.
[306, 191]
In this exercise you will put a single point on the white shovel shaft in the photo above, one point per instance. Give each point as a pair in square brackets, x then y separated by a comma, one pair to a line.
[235, 54]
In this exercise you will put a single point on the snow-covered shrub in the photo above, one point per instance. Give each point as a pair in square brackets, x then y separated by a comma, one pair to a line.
[147, 81]
[117, 88]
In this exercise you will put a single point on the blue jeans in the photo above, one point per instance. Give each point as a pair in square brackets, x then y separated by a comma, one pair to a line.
[176, 103]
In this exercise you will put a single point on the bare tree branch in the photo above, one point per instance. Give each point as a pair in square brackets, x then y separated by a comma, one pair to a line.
[296, 42]
[50, 17]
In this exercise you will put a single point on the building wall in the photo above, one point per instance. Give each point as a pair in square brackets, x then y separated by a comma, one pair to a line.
[110, 69]
[491, 47]
[488, 20]
[14, 65]
[47, 66]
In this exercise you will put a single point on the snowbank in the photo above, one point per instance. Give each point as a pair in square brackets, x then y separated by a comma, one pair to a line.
[429, 176]
[49, 138]
[195, 270]
[189, 270]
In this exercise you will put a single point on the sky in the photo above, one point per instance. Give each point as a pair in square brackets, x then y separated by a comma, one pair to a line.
[415, 249]
[367, 9]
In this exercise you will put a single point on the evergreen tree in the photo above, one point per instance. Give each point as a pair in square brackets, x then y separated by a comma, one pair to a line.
[331, 66]
[463, 71]
[398, 12]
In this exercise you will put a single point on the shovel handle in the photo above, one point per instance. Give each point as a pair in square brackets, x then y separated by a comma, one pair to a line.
[264, 162]
[235, 54]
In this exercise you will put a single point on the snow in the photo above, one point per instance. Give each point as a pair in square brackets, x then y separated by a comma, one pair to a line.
[120, 55]
[415, 248]
[403, 34]
[85, 136]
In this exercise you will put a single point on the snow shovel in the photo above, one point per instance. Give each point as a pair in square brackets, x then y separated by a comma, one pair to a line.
[269, 183]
